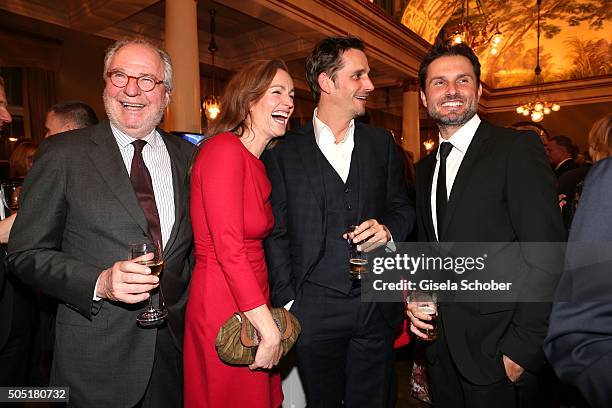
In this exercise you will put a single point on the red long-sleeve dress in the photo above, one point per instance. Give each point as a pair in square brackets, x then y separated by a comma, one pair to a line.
[231, 214]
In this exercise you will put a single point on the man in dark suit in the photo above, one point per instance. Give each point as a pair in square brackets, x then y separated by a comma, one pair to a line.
[579, 341]
[561, 152]
[90, 193]
[496, 186]
[330, 174]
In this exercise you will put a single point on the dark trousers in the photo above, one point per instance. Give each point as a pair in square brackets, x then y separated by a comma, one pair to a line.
[451, 390]
[345, 350]
[165, 387]
[16, 353]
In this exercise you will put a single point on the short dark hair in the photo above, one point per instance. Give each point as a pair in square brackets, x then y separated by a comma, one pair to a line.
[327, 57]
[77, 112]
[1, 82]
[567, 143]
[445, 49]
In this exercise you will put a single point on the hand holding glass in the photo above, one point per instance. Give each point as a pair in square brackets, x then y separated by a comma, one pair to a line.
[358, 259]
[152, 316]
[427, 304]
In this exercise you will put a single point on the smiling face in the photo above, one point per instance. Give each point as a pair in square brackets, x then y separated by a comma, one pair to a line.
[451, 92]
[270, 114]
[347, 94]
[130, 109]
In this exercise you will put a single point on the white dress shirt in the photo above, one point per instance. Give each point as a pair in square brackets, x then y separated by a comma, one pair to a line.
[157, 159]
[337, 154]
[460, 140]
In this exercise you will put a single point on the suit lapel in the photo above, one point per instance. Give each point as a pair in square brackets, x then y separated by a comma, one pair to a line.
[464, 172]
[106, 157]
[429, 165]
[360, 153]
[178, 185]
[309, 153]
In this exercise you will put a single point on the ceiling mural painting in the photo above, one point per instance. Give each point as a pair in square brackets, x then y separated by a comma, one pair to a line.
[576, 38]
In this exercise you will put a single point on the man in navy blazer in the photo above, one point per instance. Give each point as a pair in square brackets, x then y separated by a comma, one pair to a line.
[330, 174]
[579, 341]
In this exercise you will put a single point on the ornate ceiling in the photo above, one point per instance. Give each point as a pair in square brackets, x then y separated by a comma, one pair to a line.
[576, 40]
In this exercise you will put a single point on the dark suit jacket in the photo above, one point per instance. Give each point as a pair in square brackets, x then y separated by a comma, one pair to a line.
[297, 241]
[579, 341]
[504, 191]
[6, 302]
[566, 166]
[78, 213]
[568, 185]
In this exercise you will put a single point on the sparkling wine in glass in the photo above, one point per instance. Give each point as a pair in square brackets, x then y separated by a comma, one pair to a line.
[151, 317]
[10, 195]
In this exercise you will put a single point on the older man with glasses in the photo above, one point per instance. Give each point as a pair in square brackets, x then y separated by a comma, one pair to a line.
[91, 193]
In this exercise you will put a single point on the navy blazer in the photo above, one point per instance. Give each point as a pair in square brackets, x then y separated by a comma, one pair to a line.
[298, 239]
[579, 341]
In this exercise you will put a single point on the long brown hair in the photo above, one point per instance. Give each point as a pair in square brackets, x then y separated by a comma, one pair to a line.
[242, 91]
[21, 159]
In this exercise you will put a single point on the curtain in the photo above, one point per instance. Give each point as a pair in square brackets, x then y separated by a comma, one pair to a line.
[39, 94]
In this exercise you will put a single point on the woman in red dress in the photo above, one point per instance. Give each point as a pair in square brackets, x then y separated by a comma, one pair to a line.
[231, 215]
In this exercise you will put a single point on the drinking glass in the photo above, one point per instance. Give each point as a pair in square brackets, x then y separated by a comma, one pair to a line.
[151, 317]
[427, 303]
[358, 259]
[10, 194]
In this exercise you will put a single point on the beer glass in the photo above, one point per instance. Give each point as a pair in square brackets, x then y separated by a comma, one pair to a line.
[427, 303]
[151, 317]
[358, 259]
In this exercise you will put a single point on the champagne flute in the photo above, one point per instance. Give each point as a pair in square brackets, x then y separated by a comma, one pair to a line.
[151, 317]
[10, 195]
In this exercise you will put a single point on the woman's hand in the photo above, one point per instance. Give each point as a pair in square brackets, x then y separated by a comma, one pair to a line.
[270, 349]
[269, 352]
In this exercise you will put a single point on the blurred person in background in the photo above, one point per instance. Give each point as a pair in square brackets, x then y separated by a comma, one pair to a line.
[561, 152]
[69, 115]
[21, 159]
[18, 302]
[579, 341]
[571, 182]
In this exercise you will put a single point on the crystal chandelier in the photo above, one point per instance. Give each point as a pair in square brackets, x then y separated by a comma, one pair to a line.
[537, 108]
[477, 35]
[212, 103]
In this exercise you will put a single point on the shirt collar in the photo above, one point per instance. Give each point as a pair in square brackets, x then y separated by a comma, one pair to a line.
[462, 138]
[561, 163]
[123, 139]
[324, 134]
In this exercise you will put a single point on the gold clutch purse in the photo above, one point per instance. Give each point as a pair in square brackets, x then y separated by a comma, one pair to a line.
[238, 339]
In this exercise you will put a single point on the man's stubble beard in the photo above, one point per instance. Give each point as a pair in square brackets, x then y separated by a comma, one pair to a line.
[108, 107]
[446, 121]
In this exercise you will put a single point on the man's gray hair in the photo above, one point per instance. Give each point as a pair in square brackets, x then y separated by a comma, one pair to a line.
[163, 55]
